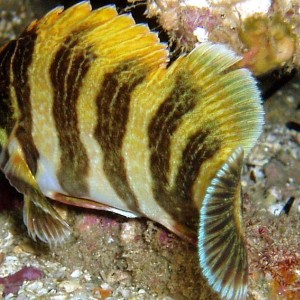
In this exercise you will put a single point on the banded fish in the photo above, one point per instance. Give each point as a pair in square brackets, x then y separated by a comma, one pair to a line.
[93, 115]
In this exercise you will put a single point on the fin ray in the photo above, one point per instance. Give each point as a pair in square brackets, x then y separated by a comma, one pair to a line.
[223, 257]
[240, 106]
[39, 216]
[110, 37]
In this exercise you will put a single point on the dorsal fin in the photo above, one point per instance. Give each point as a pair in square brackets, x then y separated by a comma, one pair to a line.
[227, 109]
[222, 252]
[111, 37]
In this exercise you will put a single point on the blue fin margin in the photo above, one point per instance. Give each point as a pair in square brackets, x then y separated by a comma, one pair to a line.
[222, 252]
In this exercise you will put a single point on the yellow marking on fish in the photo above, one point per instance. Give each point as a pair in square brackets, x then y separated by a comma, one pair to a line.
[95, 118]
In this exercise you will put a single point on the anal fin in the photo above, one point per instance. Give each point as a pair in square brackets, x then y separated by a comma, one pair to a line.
[222, 252]
[41, 219]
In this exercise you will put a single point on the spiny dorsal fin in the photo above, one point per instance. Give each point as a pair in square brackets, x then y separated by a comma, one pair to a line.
[112, 38]
[222, 252]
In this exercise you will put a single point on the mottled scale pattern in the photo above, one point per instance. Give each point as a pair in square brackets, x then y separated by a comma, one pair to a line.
[93, 115]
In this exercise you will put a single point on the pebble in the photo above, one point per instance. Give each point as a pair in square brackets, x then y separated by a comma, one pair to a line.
[70, 285]
[275, 209]
[87, 276]
[35, 287]
[59, 297]
[128, 233]
[76, 274]
[25, 247]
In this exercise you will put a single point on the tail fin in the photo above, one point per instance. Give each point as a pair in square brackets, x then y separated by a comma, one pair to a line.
[223, 256]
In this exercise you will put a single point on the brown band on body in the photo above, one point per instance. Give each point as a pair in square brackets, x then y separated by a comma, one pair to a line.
[6, 110]
[67, 71]
[113, 102]
[20, 64]
[197, 151]
[177, 200]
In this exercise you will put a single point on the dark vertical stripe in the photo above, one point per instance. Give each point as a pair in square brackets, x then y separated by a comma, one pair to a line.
[20, 64]
[167, 119]
[67, 71]
[196, 152]
[177, 200]
[6, 111]
[113, 104]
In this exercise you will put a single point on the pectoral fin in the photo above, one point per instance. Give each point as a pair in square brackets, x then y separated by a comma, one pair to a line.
[41, 219]
[222, 252]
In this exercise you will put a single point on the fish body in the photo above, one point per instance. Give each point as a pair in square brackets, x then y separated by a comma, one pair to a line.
[93, 116]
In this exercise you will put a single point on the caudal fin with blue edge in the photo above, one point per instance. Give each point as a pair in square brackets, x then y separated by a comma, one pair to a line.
[222, 252]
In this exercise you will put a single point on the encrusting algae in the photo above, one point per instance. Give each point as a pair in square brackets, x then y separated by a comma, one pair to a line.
[270, 43]
[264, 32]
[91, 115]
